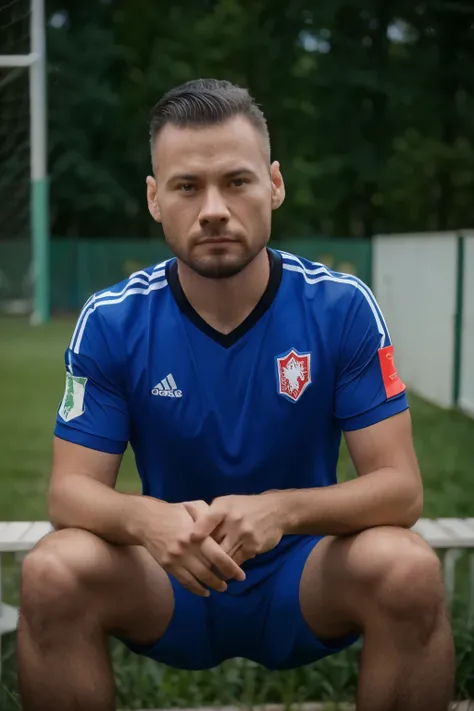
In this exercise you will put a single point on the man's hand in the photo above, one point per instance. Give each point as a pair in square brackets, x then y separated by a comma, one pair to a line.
[195, 564]
[244, 526]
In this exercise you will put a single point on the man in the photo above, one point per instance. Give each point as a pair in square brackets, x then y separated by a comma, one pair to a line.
[232, 370]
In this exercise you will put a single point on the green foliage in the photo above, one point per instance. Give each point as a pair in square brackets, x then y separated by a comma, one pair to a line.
[369, 106]
[144, 684]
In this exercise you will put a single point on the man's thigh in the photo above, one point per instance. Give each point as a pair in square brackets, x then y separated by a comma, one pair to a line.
[122, 587]
[346, 579]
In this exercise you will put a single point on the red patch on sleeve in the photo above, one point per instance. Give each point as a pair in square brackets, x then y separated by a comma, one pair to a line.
[392, 383]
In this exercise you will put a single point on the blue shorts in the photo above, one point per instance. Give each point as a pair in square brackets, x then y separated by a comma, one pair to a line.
[259, 619]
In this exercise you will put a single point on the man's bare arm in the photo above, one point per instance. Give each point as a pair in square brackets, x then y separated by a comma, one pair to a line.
[82, 494]
[387, 491]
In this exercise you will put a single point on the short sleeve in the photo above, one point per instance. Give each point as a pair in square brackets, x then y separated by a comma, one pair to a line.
[94, 411]
[368, 387]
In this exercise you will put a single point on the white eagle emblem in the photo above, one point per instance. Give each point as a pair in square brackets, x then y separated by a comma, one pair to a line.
[293, 374]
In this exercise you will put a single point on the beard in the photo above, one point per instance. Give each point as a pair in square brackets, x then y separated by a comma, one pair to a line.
[219, 260]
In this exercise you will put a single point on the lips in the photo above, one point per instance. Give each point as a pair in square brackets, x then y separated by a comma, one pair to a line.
[217, 240]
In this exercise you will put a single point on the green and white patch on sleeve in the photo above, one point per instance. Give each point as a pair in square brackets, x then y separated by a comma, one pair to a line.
[72, 404]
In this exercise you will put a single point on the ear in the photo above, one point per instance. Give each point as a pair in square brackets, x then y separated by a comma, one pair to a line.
[278, 186]
[151, 194]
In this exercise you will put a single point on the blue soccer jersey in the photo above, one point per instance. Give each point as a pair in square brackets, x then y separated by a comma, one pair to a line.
[209, 414]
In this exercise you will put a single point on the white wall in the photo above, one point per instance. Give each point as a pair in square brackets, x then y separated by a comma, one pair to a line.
[414, 281]
[466, 397]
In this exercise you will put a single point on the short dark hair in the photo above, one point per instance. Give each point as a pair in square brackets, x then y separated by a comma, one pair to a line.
[204, 102]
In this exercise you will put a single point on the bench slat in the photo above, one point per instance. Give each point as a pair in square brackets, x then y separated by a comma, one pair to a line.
[462, 534]
[433, 533]
[36, 531]
[22, 535]
[14, 530]
[8, 619]
[439, 533]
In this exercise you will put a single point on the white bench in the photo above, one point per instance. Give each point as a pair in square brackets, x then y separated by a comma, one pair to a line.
[16, 537]
[451, 536]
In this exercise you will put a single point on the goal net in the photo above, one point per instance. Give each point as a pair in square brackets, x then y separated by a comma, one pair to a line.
[24, 262]
[16, 290]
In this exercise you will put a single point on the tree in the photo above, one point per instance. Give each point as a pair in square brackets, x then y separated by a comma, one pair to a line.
[369, 104]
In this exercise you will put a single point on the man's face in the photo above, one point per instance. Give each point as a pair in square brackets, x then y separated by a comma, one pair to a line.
[214, 192]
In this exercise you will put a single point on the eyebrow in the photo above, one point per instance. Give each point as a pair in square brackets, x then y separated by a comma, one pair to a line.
[182, 177]
[191, 177]
[239, 171]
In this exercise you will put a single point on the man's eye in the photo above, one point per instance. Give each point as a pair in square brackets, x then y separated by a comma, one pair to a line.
[186, 187]
[238, 182]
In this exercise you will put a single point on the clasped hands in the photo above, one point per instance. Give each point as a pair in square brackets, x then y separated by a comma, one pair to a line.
[203, 545]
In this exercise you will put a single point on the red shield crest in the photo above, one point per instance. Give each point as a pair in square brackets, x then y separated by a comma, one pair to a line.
[293, 374]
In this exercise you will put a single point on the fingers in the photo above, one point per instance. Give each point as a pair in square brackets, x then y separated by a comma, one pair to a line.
[194, 573]
[236, 550]
[205, 576]
[219, 534]
[195, 508]
[229, 545]
[227, 567]
[206, 523]
[241, 555]
[188, 581]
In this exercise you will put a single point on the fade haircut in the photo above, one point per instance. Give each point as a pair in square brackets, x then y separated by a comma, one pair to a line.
[206, 102]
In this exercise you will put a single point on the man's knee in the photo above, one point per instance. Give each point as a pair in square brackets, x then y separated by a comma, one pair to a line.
[403, 574]
[73, 577]
[56, 573]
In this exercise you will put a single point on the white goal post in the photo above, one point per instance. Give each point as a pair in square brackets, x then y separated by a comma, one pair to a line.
[35, 63]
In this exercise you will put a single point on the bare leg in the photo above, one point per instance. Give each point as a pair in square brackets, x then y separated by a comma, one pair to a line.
[385, 582]
[76, 590]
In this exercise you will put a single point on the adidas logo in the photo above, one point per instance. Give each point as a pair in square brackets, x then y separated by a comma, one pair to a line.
[167, 388]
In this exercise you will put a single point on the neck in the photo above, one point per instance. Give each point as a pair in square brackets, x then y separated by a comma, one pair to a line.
[225, 303]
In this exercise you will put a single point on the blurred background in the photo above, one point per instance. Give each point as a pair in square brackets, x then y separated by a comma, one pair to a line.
[370, 106]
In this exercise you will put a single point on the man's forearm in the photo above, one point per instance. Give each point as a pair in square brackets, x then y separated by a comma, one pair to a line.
[82, 502]
[381, 498]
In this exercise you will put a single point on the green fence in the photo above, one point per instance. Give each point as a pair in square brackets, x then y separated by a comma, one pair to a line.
[80, 267]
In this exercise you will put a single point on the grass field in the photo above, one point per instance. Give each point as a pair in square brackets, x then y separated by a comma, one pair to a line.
[31, 386]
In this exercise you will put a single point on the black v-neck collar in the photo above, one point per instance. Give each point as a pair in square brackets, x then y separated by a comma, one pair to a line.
[227, 339]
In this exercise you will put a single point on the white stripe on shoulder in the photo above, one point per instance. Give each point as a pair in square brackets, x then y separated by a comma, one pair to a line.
[130, 282]
[294, 258]
[111, 302]
[140, 273]
[133, 279]
[89, 301]
[325, 275]
[321, 268]
[161, 265]
[69, 364]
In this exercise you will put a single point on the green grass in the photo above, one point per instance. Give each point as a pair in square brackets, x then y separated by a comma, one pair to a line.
[32, 378]
[31, 386]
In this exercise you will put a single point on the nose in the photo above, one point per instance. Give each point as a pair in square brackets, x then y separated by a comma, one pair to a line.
[214, 209]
